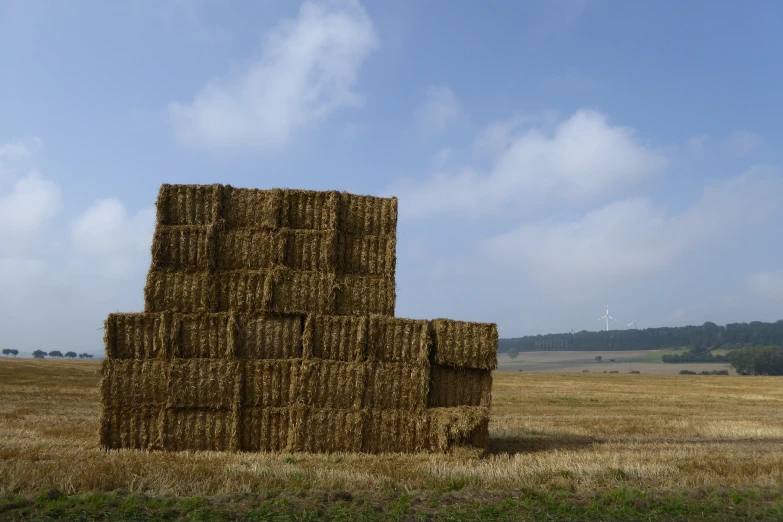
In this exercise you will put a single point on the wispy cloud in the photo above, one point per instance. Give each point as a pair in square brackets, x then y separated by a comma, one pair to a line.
[742, 143]
[439, 111]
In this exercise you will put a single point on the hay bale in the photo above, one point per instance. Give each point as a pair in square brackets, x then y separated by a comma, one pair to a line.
[310, 250]
[367, 255]
[250, 249]
[182, 246]
[188, 204]
[200, 430]
[332, 384]
[396, 339]
[207, 336]
[396, 431]
[134, 383]
[252, 207]
[324, 430]
[314, 210]
[204, 383]
[131, 428]
[268, 337]
[271, 383]
[364, 295]
[464, 344]
[396, 385]
[335, 337]
[137, 336]
[367, 215]
[460, 387]
[180, 291]
[461, 427]
[243, 291]
[266, 429]
[301, 292]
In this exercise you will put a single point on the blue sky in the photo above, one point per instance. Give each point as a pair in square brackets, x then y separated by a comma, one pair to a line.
[549, 157]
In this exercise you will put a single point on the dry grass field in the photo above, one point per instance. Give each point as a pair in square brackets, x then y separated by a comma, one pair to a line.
[579, 433]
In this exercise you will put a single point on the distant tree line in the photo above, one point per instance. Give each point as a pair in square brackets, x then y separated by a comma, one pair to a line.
[709, 336]
[757, 360]
[10, 351]
[57, 354]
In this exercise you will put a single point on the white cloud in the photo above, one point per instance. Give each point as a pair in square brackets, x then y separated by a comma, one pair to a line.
[439, 112]
[698, 143]
[742, 143]
[767, 284]
[16, 156]
[307, 70]
[583, 159]
[27, 209]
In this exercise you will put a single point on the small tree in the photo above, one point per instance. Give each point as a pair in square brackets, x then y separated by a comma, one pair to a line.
[70, 355]
[14, 352]
[39, 354]
[85, 356]
[56, 353]
[599, 358]
[6, 351]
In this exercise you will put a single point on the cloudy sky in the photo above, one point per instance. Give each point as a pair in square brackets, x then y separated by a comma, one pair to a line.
[549, 157]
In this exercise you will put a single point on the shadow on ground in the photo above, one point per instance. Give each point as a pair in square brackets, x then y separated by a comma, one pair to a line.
[532, 443]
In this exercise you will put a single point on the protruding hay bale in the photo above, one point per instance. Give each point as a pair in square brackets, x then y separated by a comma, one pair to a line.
[314, 210]
[271, 383]
[181, 246]
[310, 250]
[396, 339]
[208, 336]
[368, 215]
[201, 430]
[335, 337]
[396, 431]
[301, 292]
[137, 336]
[465, 345]
[180, 291]
[266, 429]
[367, 255]
[249, 249]
[252, 207]
[188, 204]
[460, 387]
[131, 428]
[396, 385]
[128, 382]
[363, 295]
[461, 427]
[205, 383]
[332, 384]
[265, 337]
[320, 430]
[243, 291]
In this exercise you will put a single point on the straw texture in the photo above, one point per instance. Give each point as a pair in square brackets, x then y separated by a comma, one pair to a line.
[204, 383]
[271, 383]
[396, 386]
[267, 337]
[180, 291]
[333, 384]
[395, 339]
[252, 207]
[249, 249]
[340, 338]
[182, 246]
[200, 430]
[321, 430]
[205, 336]
[266, 429]
[460, 387]
[368, 215]
[137, 335]
[188, 204]
[135, 427]
[363, 295]
[464, 344]
[309, 209]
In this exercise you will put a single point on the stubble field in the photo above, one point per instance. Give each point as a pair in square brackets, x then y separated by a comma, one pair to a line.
[579, 437]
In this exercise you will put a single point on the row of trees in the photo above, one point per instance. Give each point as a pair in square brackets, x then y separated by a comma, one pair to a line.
[709, 335]
[57, 354]
[757, 360]
[10, 351]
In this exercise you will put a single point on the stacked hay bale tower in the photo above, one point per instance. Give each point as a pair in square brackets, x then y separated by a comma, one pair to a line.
[269, 326]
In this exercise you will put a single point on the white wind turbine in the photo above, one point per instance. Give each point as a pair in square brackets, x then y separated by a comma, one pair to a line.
[633, 323]
[607, 317]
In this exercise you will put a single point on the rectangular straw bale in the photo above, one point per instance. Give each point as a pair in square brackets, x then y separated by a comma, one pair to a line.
[335, 337]
[137, 335]
[243, 291]
[205, 335]
[465, 344]
[460, 387]
[200, 430]
[314, 210]
[367, 255]
[333, 384]
[460, 427]
[265, 429]
[271, 382]
[326, 430]
[368, 215]
[270, 337]
[180, 291]
[310, 250]
[135, 427]
[301, 292]
[364, 295]
[188, 204]
[396, 431]
[249, 249]
[252, 207]
[129, 382]
[396, 385]
[205, 383]
[182, 246]
[397, 339]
